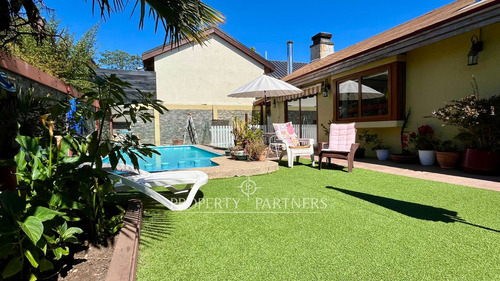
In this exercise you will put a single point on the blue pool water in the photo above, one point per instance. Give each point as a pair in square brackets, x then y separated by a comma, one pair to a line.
[175, 158]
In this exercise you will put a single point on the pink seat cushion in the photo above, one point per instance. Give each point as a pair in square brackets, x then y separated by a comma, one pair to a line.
[286, 133]
[342, 136]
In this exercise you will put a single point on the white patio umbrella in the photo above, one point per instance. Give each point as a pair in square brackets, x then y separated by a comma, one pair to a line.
[349, 91]
[264, 87]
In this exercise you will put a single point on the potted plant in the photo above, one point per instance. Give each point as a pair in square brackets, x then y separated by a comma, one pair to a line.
[236, 151]
[424, 141]
[364, 139]
[381, 149]
[406, 156]
[257, 150]
[447, 155]
[479, 129]
[240, 131]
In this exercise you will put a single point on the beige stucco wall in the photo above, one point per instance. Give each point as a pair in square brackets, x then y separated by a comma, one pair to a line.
[204, 74]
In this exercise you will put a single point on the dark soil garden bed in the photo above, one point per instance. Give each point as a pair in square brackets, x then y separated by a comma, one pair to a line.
[117, 260]
[89, 264]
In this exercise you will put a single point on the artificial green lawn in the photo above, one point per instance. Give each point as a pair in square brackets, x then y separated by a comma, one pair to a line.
[375, 226]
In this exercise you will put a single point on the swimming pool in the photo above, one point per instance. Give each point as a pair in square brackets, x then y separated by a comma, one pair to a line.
[175, 158]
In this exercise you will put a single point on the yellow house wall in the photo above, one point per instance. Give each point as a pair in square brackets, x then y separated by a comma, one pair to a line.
[438, 73]
[278, 113]
[435, 74]
[204, 74]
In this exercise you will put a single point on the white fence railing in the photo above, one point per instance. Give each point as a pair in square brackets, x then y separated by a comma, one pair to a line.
[222, 136]
[309, 131]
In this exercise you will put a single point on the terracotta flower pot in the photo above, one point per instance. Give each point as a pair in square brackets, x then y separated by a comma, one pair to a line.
[178, 142]
[404, 158]
[447, 160]
[263, 156]
[477, 161]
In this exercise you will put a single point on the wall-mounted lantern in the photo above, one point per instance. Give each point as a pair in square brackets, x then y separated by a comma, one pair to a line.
[325, 87]
[477, 46]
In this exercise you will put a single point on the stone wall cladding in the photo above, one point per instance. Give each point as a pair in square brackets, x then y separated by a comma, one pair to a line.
[229, 114]
[145, 131]
[173, 124]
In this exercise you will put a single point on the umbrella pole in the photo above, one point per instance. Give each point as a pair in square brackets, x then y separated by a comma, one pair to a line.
[265, 112]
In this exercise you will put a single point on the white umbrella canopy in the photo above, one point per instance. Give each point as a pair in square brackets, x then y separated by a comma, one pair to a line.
[349, 91]
[265, 86]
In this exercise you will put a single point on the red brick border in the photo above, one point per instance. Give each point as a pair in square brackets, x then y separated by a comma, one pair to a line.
[124, 261]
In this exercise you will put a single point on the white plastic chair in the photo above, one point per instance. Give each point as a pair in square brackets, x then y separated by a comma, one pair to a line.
[294, 147]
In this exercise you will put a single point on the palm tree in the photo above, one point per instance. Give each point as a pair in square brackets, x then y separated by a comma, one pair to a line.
[181, 19]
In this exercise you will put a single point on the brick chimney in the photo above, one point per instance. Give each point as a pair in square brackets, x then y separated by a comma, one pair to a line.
[322, 46]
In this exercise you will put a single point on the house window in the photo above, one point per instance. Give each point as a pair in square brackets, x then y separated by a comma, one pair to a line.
[303, 115]
[371, 95]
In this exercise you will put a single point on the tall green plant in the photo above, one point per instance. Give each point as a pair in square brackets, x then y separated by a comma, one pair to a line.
[366, 138]
[31, 237]
[80, 183]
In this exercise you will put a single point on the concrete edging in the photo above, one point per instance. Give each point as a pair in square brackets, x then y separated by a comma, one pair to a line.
[124, 261]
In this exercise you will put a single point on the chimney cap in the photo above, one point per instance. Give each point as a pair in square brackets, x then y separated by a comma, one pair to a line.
[322, 37]
[289, 42]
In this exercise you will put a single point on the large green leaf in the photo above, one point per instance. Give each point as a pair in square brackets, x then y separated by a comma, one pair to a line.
[14, 266]
[45, 214]
[39, 170]
[72, 230]
[21, 160]
[33, 228]
[29, 144]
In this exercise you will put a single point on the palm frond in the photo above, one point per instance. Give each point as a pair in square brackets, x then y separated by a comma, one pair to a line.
[181, 19]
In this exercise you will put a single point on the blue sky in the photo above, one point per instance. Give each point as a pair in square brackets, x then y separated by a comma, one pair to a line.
[265, 25]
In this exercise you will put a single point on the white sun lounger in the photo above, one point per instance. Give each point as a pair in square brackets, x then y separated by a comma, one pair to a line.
[143, 182]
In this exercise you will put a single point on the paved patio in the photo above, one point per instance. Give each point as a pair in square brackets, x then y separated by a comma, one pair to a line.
[232, 168]
[434, 173]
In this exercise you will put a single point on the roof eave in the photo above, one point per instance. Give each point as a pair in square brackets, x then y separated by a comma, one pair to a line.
[151, 54]
[470, 19]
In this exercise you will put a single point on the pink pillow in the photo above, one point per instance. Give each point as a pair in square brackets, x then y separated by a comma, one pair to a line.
[286, 133]
[342, 136]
